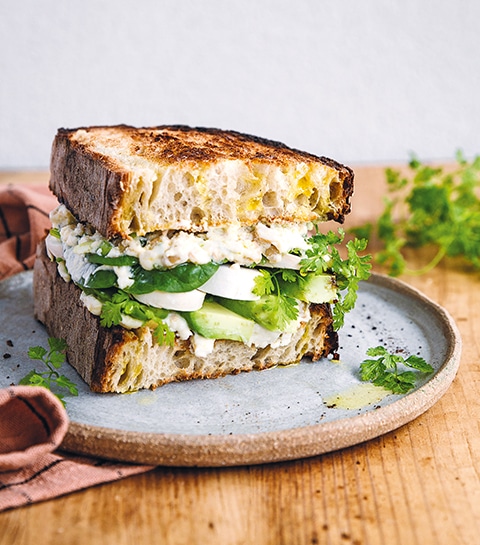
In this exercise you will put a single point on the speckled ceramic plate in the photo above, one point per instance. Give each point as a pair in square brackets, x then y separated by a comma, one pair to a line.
[279, 414]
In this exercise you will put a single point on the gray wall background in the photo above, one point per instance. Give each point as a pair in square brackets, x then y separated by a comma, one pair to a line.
[362, 81]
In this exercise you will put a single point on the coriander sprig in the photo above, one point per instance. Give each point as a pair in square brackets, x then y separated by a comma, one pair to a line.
[119, 304]
[53, 360]
[324, 256]
[430, 207]
[279, 305]
[384, 370]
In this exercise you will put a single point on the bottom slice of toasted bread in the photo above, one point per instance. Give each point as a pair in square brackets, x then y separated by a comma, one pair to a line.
[120, 360]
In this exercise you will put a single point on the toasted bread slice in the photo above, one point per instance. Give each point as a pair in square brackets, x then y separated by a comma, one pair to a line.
[122, 179]
[121, 360]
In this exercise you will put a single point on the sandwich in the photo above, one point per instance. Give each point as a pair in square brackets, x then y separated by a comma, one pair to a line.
[181, 253]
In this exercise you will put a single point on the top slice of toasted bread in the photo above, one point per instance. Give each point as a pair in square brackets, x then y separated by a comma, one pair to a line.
[124, 180]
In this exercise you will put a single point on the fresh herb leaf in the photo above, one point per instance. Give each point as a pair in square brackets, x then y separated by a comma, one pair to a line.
[163, 335]
[382, 369]
[112, 311]
[277, 309]
[101, 279]
[283, 307]
[349, 272]
[118, 261]
[118, 304]
[430, 208]
[184, 277]
[55, 233]
[264, 285]
[57, 345]
[416, 362]
[36, 352]
[322, 252]
[290, 275]
[105, 248]
[53, 360]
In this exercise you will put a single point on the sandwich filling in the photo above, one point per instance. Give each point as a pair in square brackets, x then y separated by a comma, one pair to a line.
[252, 284]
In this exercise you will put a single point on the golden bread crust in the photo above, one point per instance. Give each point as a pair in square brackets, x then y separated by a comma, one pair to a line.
[122, 179]
[169, 144]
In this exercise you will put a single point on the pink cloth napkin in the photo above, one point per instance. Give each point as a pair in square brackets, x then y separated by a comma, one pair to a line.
[33, 422]
[23, 222]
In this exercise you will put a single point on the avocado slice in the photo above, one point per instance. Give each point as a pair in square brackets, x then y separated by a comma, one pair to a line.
[319, 288]
[263, 311]
[214, 321]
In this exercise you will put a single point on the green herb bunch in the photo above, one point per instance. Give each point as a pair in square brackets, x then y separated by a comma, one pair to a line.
[430, 208]
[383, 370]
[324, 256]
[50, 378]
[279, 307]
[115, 305]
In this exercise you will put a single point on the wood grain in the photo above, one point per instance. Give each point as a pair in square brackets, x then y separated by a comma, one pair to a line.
[418, 485]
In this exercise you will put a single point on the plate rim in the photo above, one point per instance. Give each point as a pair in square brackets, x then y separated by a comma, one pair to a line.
[216, 450]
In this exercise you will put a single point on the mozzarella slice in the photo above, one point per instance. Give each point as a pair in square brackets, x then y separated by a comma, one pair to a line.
[130, 323]
[92, 304]
[232, 282]
[186, 301]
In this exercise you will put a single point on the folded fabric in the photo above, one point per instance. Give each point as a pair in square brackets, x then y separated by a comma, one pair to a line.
[23, 222]
[33, 423]
[32, 420]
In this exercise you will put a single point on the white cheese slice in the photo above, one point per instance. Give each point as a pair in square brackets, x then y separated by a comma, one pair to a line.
[184, 301]
[288, 261]
[232, 282]
[202, 346]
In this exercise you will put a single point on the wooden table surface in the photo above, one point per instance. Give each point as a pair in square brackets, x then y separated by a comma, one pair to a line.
[418, 485]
